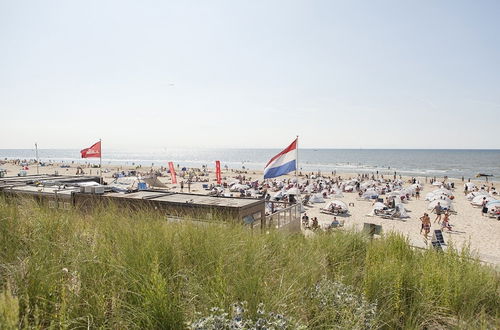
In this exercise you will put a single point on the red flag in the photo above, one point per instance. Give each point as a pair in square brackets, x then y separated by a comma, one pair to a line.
[172, 172]
[93, 152]
[217, 172]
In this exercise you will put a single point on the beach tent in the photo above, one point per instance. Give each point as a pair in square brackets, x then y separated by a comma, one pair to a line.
[470, 186]
[444, 204]
[415, 186]
[429, 196]
[493, 203]
[278, 196]
[478, 200]
[317, 198]
[370, 194]
[367, 184]
[349, 188]
[394, 193]
[442, 191]
[439, 197]
[379, 206]
[292, 191]
[338, 205]
[337, 193]
[238, 187]
[470, 196]
[400, 212]
[154, 182]
[125, 184]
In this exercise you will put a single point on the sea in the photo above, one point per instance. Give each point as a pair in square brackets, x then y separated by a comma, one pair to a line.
[408, 162]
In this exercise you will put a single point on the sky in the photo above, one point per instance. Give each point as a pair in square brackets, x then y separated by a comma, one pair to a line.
[250, 74]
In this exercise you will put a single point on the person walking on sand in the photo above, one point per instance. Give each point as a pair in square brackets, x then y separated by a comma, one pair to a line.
[446, 221]
[426, 225]
[484, 210]
[438, 210]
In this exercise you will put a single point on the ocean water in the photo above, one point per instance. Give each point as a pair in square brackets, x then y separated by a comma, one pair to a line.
[453, 163]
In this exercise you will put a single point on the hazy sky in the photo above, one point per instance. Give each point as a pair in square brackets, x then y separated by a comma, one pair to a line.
[149, 74]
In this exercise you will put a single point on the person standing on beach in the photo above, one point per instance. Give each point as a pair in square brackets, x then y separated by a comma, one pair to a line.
[426, 224]
[484, 210]
[438, 210]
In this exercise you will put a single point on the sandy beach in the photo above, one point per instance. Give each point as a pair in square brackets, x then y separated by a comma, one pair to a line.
[470, 228]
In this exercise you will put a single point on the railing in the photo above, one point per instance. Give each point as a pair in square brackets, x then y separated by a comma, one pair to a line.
[287, 218]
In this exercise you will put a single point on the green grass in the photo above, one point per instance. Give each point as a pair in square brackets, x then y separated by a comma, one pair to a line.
[118, 269]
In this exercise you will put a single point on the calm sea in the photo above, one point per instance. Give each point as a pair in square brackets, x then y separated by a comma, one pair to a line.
[453, 163]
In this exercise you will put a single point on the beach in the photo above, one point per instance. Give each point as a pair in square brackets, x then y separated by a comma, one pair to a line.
[470, 228]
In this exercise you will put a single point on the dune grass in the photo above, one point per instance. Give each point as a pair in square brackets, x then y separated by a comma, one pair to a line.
[114, 268]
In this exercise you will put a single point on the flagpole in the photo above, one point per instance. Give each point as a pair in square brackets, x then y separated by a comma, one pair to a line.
[36, 153]
[100, 162]
[299, 200]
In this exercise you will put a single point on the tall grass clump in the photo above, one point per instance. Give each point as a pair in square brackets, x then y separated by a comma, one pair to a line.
[116, 268]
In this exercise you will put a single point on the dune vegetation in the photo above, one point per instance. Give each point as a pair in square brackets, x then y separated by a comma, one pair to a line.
[115, 268]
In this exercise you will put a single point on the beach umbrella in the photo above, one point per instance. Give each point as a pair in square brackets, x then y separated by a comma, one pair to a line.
[394, 193]
[437, 183]
[292, 191]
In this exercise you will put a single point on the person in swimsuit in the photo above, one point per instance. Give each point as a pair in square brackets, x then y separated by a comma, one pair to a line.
[446, 221]
[438, 209]
[484, 210]
[426, 224]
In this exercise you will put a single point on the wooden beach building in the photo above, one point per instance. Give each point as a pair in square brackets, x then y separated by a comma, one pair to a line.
[70, 192]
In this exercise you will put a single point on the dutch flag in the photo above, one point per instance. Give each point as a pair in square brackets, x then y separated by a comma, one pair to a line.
[283, 163]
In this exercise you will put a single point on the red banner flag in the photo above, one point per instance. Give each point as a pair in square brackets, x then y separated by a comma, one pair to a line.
[217, 172]
[93, 152]
[172, 172]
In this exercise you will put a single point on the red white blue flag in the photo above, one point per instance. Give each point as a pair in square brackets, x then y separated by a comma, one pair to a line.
[283, 163]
